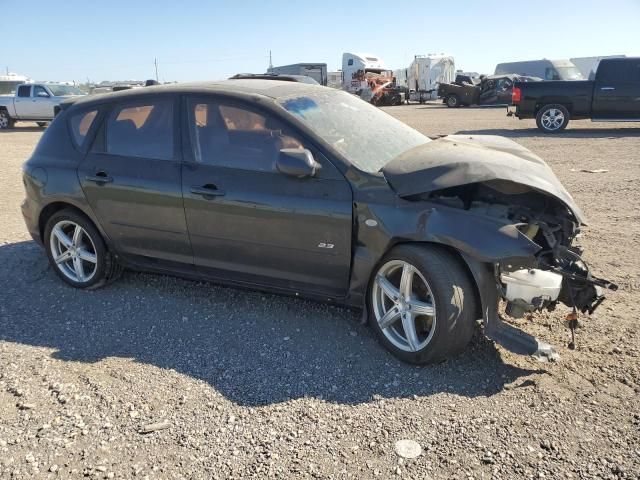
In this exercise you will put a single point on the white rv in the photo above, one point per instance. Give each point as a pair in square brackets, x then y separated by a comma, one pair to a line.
[544, 69]
[589, 65]
[355, 67]
[426, 72]
[8, 83]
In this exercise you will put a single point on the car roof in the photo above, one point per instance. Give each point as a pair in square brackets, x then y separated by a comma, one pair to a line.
[273, 89]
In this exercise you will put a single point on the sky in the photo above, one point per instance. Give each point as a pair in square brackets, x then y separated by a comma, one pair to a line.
[209, 40]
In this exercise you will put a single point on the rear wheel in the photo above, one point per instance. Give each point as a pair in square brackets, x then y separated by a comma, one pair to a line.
[453, 101]
[422, 304]
[5, 120]
[552, 118]
[77, 252]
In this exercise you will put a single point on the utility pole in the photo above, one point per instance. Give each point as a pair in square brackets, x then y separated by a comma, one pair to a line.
[7, 70]
[155, 62]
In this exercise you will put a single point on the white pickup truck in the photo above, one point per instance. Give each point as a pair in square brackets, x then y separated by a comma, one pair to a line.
[34, 102]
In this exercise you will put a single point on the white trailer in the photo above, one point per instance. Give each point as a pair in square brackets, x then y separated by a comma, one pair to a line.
[400, 75]
[334, 79]
[317, 71]
[356, 66]
[426, 72]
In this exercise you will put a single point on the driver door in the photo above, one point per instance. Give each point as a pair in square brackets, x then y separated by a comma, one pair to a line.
[251, 224]
[42, 103]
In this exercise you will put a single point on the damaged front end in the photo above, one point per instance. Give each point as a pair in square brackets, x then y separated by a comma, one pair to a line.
[494, 178]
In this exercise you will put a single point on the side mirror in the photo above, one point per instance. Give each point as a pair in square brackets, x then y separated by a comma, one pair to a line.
[297, 162]
[42, 95]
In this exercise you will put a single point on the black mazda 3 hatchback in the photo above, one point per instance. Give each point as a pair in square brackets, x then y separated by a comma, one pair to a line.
[305, 190]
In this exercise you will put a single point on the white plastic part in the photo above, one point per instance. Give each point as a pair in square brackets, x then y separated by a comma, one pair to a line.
[527, 284]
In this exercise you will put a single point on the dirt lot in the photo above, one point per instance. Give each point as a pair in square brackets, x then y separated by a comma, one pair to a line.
[254, 385]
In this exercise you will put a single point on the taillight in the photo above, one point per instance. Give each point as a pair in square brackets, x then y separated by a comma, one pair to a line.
[516, 95]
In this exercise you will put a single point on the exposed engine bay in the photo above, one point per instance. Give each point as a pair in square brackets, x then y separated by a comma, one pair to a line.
[557, 273]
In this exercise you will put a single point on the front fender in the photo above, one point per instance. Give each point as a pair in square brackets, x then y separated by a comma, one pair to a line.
[483, 239]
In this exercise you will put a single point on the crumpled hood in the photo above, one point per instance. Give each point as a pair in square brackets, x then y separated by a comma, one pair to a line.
[457, 160]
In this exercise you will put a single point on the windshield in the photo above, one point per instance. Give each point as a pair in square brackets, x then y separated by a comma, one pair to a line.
[364, 134]
[64, 90]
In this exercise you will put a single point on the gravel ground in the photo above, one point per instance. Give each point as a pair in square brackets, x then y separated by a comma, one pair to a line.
[238, 384]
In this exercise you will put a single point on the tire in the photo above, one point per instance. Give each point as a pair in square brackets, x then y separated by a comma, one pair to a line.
[440, 284]
[552, 118]
[79, 246]
[5, 120]
[42, 124]
[453, 101]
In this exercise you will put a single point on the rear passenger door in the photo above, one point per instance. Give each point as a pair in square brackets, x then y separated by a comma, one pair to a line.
[248, 222]
[131, 178]
[616, 93]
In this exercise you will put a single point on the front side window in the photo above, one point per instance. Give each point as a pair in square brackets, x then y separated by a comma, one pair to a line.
[39, 91]
[142, 130]
[235, 136]
[80, 124]
[24, 90]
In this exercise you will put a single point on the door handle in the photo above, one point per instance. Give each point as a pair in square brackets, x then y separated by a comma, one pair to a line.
[607, 88]
[208, 190]
[100, 177]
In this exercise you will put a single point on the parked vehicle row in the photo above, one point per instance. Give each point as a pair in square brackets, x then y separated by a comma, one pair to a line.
[491, 90]
[304, 190]
[614, 96]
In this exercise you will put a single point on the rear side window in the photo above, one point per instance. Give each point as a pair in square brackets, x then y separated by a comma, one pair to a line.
[618, 72]
[80, 124]
[24, 90]
[142, 130]
[38, 90]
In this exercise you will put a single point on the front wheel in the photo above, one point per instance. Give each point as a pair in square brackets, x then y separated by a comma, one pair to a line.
[422, 304]
[552, 118]
[5, 120]
[453, 101]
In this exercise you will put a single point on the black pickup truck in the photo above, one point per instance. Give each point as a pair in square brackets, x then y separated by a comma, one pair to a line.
[614, 96]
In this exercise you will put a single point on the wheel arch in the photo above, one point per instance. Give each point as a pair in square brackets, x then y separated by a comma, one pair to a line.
[564, 101]
[463, 260]
[56, 206]
[466, 262]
